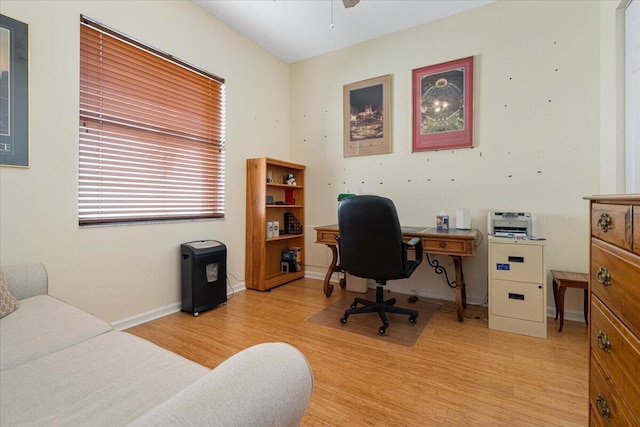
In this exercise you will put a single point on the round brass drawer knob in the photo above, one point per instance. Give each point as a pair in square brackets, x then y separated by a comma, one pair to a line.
[603, 276]
[603, 408]
[603, 342]
[604, 222]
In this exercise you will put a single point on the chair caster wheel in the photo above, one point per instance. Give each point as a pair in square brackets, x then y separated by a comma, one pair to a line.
[343, 319]
[412, 319]
[382, 330]
[354, 305]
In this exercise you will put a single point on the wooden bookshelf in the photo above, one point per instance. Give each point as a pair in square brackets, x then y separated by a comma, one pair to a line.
[263, 254]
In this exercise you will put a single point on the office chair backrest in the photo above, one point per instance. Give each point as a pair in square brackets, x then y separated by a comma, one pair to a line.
[370, 238]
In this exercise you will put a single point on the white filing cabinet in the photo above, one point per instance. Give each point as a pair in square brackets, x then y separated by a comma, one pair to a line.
[518, 286]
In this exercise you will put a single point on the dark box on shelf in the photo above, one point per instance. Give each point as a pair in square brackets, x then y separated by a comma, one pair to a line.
[291, 224]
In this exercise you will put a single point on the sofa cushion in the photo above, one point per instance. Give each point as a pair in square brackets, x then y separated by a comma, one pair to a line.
[41, 326]
[8, 303]
[111, 379]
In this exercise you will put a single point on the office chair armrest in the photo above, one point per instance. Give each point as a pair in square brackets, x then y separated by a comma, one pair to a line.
[416, 243]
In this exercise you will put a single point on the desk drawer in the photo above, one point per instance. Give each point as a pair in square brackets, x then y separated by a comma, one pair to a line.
[615, 279]
[617, 351]
[612, 223]
[327, 237]
[519, 262]
[517, 300]
[446, 246]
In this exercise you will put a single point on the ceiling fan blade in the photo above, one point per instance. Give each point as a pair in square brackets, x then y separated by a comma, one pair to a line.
[350, 3]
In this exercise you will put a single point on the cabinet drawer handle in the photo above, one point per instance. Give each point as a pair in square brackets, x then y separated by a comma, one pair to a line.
[442, 244]
[603, 276]
[603, 342]
[604, 222]
[603, 409]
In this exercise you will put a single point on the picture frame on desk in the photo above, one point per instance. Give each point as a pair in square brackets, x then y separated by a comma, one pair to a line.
[367, 117]
[443, 105]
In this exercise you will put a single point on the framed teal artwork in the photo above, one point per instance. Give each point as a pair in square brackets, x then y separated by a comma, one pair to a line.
[14, 93]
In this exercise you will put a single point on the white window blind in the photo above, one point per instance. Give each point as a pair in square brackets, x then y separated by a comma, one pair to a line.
[151, 133]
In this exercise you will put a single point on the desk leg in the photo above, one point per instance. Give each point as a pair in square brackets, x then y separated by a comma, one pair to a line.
[328, 287]
[461, 288]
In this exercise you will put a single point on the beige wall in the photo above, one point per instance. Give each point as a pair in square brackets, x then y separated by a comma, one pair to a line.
[552, 150]
[119, 272]
[537, 131]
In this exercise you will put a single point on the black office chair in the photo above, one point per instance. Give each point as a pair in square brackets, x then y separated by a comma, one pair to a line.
[371, 246]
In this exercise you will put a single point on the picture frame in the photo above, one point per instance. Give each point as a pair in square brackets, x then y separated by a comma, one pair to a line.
[443, 111]
[14, 93]
[367, 117]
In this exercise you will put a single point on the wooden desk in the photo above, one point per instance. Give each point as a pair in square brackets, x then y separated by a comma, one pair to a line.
[455, 243]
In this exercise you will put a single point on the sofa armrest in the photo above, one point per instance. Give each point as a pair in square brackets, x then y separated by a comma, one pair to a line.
[26, 280]
[268, 384]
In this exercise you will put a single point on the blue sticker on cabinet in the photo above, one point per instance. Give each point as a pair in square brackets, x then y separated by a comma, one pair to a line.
[503, 266]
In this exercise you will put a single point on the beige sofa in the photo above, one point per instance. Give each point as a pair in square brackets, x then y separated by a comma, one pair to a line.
[62, 366]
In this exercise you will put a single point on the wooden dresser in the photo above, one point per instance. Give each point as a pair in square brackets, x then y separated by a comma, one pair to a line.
[614, 290]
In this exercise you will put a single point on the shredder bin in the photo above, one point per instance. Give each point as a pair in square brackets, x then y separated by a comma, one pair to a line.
[204, 275]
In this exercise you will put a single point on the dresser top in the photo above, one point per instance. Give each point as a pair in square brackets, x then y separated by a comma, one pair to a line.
[631, 198]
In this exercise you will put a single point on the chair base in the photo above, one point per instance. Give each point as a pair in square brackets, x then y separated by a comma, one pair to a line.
[381, 307]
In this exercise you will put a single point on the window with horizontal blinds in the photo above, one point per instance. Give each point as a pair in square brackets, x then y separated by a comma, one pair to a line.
[151, 133]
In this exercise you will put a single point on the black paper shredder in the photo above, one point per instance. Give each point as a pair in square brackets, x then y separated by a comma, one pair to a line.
[204, 275]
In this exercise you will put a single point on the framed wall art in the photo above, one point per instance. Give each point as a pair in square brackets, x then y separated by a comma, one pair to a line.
[367, 117]
[443, 106]
[14, 93]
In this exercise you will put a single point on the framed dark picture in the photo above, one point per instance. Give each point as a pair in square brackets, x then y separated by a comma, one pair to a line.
[14, 92]
[367, 117]
[443, 106]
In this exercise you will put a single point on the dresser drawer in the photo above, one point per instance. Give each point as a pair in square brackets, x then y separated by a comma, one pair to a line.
[516, 262]
[607, 407]
[517, 300]
[618, 352]
[615, 279]
[612, 223]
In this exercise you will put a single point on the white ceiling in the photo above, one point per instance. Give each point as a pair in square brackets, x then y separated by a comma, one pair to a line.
[294, 30]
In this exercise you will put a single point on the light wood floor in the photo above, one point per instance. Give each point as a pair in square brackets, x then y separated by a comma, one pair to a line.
[457, 374]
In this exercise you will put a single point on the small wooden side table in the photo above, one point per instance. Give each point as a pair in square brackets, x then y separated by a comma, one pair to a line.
[563, 280]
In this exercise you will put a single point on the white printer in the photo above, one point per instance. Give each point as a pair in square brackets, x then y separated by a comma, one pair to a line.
[511, 224]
